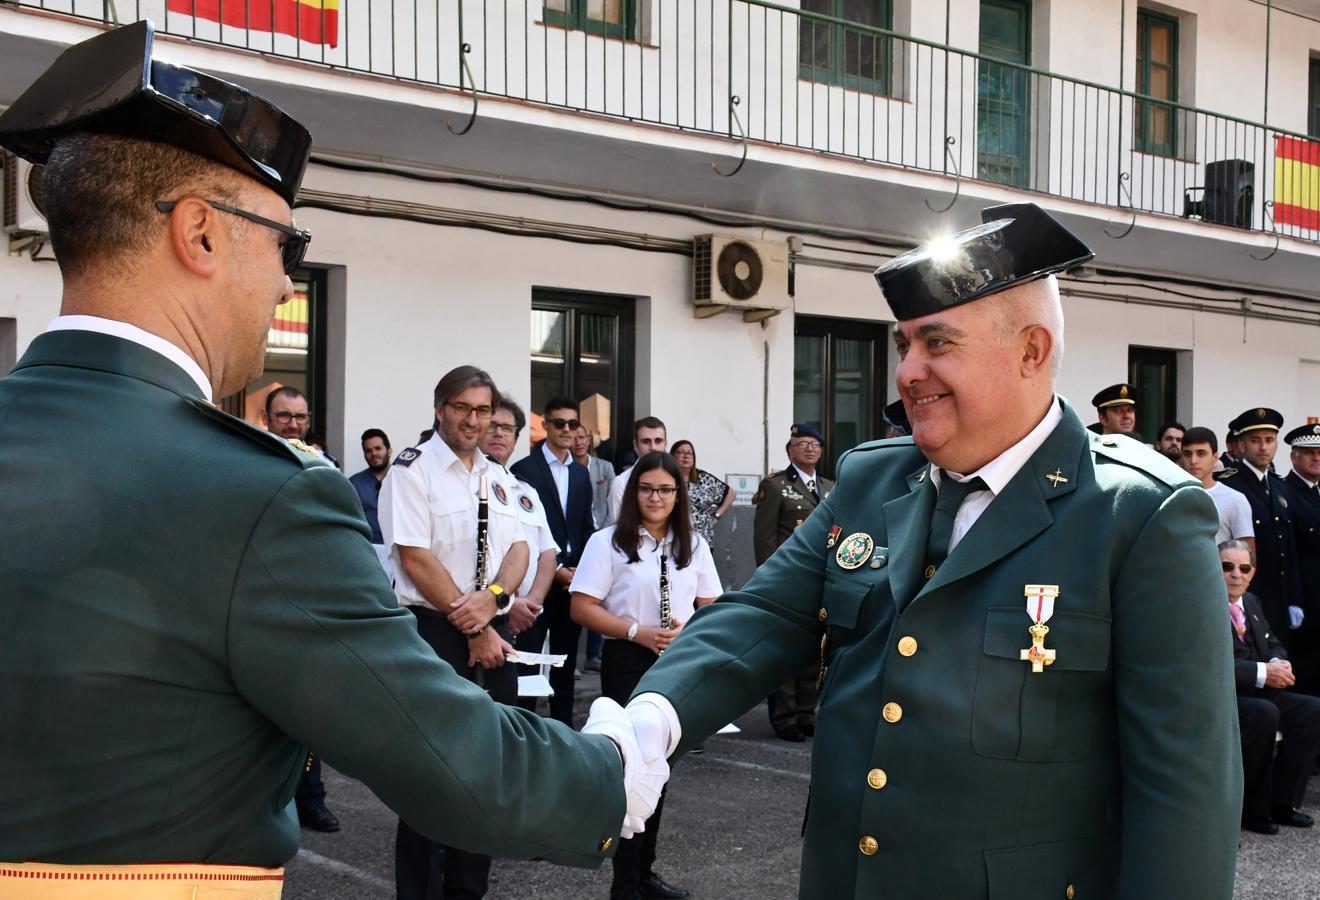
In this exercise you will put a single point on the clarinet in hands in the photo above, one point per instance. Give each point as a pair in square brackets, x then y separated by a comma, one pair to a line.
[666, 614]
[483, 537]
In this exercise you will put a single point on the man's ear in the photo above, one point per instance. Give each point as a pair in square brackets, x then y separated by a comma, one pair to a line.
[196, 236]
[1037, 347]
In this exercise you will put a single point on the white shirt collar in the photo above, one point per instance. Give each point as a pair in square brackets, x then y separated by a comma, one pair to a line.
[998, 472]
[1306, 480]
[550, 455]
[1260, 476]
[803, 475]
[138, 336]
[447, 458]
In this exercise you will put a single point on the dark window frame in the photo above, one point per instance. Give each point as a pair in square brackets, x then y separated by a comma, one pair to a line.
[831, 328]
[1150, 417]
[834, 72]
[576, 18]
[1313, 98]
[983, 166]
[1143, 113]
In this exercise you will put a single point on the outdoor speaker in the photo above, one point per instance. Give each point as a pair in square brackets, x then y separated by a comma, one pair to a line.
[1229, 192]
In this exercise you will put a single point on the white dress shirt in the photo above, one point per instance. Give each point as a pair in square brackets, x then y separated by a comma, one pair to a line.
[808, 481]
[115, 328]
[616, 494]
[632, 590]
[431, 502]
[559, 472]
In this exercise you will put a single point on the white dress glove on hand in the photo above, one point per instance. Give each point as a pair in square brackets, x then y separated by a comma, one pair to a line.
[644, 773]
[1295, 616]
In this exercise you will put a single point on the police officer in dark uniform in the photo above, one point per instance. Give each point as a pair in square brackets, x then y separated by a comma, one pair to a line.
[1277, 583]
[1116, 408]
[783, 502]
[1302, 485]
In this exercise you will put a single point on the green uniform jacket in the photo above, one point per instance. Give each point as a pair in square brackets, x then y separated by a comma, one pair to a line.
[1117, 770]
[188, 605]
[782, 504]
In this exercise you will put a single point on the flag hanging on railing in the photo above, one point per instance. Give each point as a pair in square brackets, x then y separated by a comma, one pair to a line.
[1296, 182]
[316, 21]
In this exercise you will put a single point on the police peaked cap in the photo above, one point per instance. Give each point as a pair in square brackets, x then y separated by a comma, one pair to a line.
[1258, 419]
[110, 84]
[1017, 243]
[1114, 395]
[1307, 435]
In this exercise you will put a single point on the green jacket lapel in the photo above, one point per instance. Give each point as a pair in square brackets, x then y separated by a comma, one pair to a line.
[1021, 511]
[907, 519]
[107, 353]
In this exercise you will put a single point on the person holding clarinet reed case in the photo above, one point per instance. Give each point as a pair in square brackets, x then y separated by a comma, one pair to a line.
[638, 581]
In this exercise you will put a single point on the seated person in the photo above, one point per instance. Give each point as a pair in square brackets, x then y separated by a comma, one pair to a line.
[1273, 786]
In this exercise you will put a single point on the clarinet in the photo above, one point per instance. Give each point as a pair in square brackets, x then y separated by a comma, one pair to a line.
[483, 537]
[666, 614]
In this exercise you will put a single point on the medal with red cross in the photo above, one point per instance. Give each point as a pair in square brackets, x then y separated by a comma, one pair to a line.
[1040, 606]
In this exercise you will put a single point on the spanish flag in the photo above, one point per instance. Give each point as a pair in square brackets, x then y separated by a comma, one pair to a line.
[1296, 182]
[316, 21]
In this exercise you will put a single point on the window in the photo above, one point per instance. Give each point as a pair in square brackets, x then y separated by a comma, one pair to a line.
[1153, 372]
[613, 18]
[1154, 127]
[582, 347]
[837, 364]
[1003, 93]
[1313, 100]
[852, 57]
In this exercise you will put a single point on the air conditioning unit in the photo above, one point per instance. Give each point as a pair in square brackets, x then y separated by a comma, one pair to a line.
[738, 273]
[21, 197]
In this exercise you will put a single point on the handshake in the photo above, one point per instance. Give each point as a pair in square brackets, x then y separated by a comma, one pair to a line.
[641, 733]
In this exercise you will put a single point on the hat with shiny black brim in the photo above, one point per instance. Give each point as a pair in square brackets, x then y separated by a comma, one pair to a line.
[1307, 435]
[111, 85]
[1261, 418]
[1114, 395]
[1018, 243]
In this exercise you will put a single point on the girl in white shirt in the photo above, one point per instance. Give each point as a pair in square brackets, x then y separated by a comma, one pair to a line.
[617, 592]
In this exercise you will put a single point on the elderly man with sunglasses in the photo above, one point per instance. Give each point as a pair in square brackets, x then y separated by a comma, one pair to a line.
[183, 617]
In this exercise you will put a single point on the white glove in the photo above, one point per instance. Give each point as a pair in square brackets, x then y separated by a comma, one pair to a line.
[1295, 616]
[645, 770]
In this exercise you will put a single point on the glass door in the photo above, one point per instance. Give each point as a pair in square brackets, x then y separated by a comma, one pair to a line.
[836, 364]
[1003, 93]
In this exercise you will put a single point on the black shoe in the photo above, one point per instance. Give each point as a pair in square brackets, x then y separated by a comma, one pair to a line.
[1286, 815]
[809, 730]
[1260, 826]
[792, 733]
[316, 817]
[653, 887]
[592, 664]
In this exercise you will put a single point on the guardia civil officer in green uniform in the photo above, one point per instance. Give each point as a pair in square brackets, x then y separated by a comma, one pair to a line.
[783, 502]
[189, 602]
[1028, 689]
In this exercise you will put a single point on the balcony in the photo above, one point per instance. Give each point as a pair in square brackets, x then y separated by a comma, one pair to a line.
[751, 71]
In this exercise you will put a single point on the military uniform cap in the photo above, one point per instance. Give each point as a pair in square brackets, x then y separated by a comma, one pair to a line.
[111, 84]
[1015, 244]
[1115, 395]
[1259, 419]
[1307, 435]
[800, 430]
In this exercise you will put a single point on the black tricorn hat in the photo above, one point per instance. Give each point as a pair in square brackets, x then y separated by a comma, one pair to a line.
[110, 84]
[1017, 243]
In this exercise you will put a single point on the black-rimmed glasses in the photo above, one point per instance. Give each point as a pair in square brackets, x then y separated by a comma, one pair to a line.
[292, 249]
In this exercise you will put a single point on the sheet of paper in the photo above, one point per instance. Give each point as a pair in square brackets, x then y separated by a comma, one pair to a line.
[536, 659]
[730, 729]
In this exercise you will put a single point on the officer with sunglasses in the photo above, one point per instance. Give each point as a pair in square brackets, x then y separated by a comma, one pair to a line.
[183, 618]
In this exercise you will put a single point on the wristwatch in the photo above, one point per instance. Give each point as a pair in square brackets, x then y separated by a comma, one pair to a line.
[632, 632]
[503, 601]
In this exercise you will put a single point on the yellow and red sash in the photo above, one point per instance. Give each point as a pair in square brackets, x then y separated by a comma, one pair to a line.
[42, 881]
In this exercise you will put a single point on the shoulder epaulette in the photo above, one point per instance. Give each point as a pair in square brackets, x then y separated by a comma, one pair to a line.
[1226, 473]
[406, 457]
[1137, 455]
[272, 442]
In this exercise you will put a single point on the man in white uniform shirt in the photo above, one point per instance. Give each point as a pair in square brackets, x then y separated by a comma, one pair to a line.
[428, 517]
[649, 436]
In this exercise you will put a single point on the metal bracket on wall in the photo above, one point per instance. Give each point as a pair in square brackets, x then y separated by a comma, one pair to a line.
[465, 70]
[1269, 214]
[949, 141]
[742, 137]
[1127, 194]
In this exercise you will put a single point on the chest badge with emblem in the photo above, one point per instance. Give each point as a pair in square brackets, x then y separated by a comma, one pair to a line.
[854, 551]
[791, 493]
[500, 494]
[526, 503]
[833, 538]
[1040, 607]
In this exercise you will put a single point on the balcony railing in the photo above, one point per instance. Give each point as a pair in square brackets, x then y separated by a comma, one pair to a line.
[792, 78]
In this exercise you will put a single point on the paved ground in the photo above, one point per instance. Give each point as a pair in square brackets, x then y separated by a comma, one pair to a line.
[731, 831]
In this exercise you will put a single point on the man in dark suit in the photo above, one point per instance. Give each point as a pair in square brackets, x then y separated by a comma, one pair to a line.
[1278, 584]
[1273, 783]
[1302, 486]
[564, 486]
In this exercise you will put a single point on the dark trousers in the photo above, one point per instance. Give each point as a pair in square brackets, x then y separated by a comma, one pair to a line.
[311, 790]
[423, 869]
[1270, 778]
[622, 665]
[794, 703]
[564, 634]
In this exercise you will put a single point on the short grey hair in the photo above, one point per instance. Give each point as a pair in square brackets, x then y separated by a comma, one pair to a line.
[1239, 545]
[1034, 303]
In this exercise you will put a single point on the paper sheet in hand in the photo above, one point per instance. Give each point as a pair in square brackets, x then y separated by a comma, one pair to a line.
[730, 729]
[536, 659]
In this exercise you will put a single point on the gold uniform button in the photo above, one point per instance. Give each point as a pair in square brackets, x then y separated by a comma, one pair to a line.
[1070, 893]
[877, 778]
[907, 645]
[823, 615]
[868, 845]
[892, 712]
[930, 572]
[606, 844]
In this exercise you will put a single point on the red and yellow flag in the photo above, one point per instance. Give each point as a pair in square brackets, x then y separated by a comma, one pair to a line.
[1296, 182]
[316, 21]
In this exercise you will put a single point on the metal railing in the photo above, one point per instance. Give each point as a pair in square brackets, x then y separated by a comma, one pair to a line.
[753, 70]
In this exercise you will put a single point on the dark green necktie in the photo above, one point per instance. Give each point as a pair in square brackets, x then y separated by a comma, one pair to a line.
[951, 495]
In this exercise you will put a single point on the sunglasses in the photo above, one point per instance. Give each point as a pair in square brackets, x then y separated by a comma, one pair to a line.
[1244, 568]
[561, 424]
[292, 249]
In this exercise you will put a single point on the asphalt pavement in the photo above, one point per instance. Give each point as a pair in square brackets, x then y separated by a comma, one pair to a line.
[731, 830]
